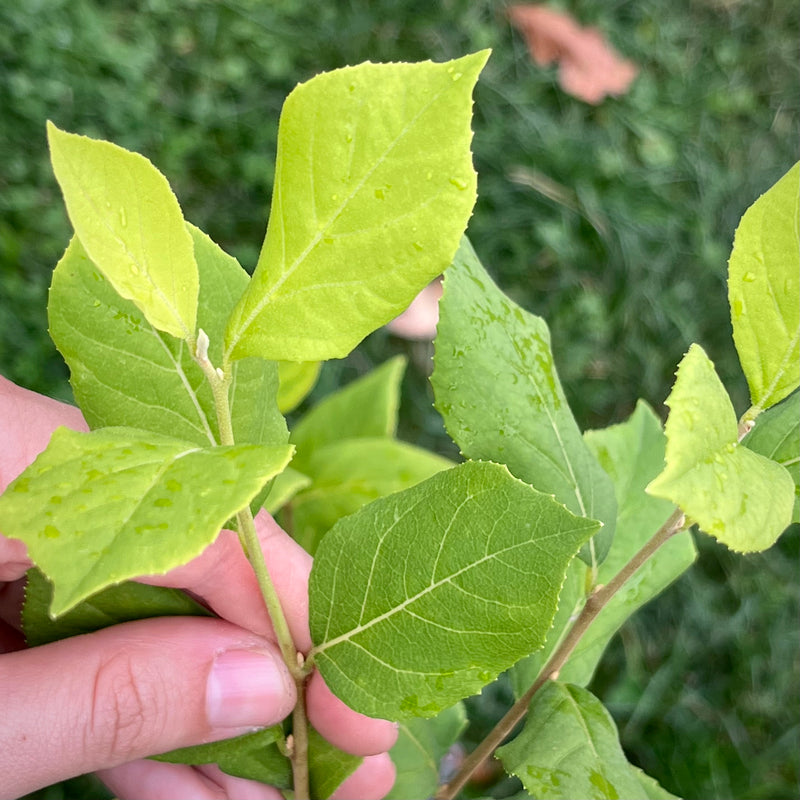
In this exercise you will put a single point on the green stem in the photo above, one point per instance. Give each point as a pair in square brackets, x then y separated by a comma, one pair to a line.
[299, 755]
[219, 380]
[595, 603]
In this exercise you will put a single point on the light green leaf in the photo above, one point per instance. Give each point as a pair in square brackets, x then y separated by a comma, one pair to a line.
[351, 473]
[764, 291]
[421, 598]
[374, 185]
[776, 435]
[328, 766]
[296, 380]
[284, 487]
[632, 454]
[126, 373]
[255, 756]
[123, 603]
[98, 508]
[366, 407]
[741, 498]
[129, 222]
[570, 749]
[421, 746]
[498, 391]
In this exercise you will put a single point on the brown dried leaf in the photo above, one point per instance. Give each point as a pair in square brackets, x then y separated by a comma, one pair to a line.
[589, 68]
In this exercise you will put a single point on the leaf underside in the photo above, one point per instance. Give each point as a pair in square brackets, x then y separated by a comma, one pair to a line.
[570, 748]
[124, 372]
[421, 598]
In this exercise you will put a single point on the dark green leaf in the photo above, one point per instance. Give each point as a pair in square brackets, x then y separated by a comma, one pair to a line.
[497, 389]
[421, 598]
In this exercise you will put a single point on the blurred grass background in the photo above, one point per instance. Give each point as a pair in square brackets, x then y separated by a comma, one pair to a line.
[624, 253]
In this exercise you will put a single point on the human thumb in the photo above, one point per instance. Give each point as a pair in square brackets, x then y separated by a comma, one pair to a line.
[133, 690]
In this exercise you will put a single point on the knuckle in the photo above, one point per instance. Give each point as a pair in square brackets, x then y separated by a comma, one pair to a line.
[126, 709]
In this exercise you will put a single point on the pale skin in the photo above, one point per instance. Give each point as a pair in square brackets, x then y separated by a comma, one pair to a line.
[104, 701]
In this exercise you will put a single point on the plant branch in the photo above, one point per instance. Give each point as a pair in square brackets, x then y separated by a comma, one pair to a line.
[299, 753]
[595, 603]
[219, 380]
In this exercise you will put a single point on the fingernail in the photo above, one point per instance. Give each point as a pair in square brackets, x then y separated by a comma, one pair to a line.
[248, 688]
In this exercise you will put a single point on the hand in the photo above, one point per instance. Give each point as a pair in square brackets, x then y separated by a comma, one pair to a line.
[104, 701]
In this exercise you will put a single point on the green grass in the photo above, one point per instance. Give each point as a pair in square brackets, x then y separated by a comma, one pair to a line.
[625, 256]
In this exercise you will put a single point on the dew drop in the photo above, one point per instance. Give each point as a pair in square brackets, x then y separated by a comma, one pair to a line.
[51, 532]
[458, 183]
[56, 499]
[419, 246]
[379, 195]
[123, 218]
[428, 175]
[348, 138]
[334, 197]
[173, 485]
[162, 502]
[456, 76]
[134, 269]
[749, 277]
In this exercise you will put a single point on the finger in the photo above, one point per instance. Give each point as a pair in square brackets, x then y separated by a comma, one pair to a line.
[153, 780]
[239, 788]
[99, 700]
[371, 781]
[344, 728]
[222, 576]
[27, 420]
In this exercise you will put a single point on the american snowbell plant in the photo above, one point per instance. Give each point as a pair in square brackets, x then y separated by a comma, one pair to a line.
[430, 578]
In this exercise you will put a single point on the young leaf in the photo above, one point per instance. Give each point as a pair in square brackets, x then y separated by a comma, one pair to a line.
[632, 454]
[97, 508]
[421, 746]
[254, 756]
[741, 498]
[569, 748]
[366, 407]
[421, 598]
[764, 291]
[124, 372]
[123, 603]
[348, 474]
[374, 185]
[776, 435]
[498, 391]
[296, 380]
[129, 222]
